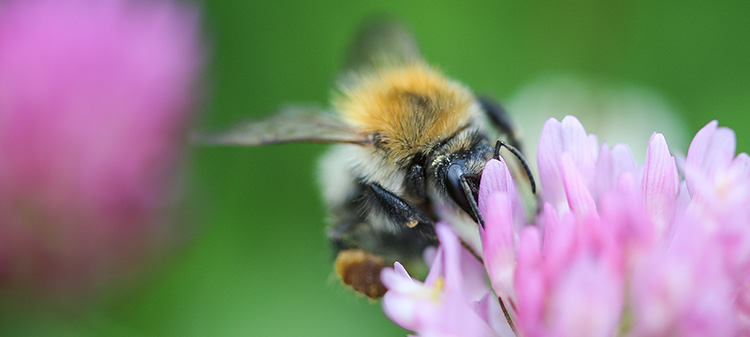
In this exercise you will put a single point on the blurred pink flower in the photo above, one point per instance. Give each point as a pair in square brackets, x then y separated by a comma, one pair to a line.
[619, 248]
[94, 97]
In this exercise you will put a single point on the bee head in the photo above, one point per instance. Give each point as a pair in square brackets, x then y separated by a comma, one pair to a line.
[458, 169]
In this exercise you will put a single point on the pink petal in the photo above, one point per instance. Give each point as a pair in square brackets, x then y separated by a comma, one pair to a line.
[437, 268]
[398, 303]
[587, 301]
[660, 183]
[624, 212]
[558, 138]
[552, 232]
[463, 272]
[549, 148]
[741, 167]
[497, 178]
[623, 159]
[579, 199]
[395, 275]
[530, 283]
[683, 291]
[610, 164]
[449, 313]
[560, 241]
[712, 149]
[498, 245]
[581, 146]
[605, 171]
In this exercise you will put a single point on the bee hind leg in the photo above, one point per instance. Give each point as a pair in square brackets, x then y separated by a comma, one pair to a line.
[364, 245]
[360, 270]
[356, 266]
[337, 235]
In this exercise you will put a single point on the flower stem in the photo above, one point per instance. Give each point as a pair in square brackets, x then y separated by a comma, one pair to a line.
[507, 315]
[471, 250]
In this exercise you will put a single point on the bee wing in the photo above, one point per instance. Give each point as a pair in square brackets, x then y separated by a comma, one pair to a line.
[379, 40]
[289, 125]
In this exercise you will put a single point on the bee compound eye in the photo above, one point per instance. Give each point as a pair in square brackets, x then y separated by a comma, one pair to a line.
[453, 182]
[463, 188]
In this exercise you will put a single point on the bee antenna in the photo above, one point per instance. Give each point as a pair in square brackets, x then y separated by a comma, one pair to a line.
[472, 201]
[500, 144]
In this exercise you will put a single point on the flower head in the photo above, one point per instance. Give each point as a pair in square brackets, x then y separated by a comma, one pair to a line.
[94, 96]
[620, 248]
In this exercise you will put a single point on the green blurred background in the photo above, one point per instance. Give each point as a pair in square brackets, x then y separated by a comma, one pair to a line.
[258, 263]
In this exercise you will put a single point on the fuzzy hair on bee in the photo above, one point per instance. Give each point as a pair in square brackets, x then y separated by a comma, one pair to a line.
[409, 148]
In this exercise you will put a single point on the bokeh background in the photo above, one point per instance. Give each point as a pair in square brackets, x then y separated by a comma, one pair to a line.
[257, 263]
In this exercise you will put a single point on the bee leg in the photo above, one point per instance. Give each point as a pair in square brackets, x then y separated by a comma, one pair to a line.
[361, 270]
[354, 266]
[500, 144]
[363, 251]
[337, 235]
[501, 120]
[364, 245]
[397, 210]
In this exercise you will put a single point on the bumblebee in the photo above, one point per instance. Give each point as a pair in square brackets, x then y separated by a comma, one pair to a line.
[410, 147]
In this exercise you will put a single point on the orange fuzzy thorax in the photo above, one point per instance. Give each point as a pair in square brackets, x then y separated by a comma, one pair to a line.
[410, 107]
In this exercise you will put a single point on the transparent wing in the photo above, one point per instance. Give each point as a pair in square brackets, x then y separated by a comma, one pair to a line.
[288, 125]
[382, 39]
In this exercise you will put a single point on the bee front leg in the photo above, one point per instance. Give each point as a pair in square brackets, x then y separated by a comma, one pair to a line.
[397, 210]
